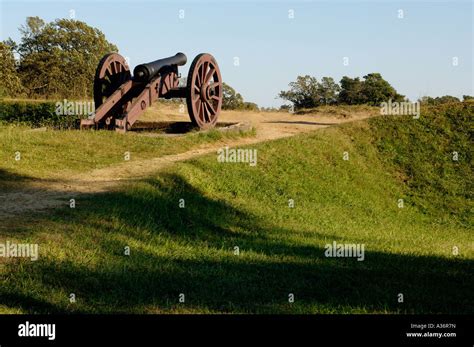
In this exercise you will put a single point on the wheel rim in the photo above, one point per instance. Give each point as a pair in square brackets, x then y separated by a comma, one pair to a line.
[111, 73]
[204, 97]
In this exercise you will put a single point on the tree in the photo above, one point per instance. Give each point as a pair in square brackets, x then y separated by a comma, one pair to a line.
[59, 58]
[10, 84]
[31, 39]
[231, 100]
[376, 90]
[351, 91]
[446, 99]
[373, 90]
[303, 93]
[467, 98]
[441, 100]
[428, 100]
[328, 91]
[250, 106]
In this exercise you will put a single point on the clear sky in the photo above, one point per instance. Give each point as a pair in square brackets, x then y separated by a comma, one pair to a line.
[414, 53]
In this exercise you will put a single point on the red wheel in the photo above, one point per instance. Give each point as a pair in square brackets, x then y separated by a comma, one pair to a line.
[204, 91]
[111, 73]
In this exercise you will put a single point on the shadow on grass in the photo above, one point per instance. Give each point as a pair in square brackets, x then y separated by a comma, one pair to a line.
[300, 122]
[169, 127]
[271, 264]
[9, 179]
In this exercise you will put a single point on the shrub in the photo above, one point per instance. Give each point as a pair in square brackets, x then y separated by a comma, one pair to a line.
[35, 114]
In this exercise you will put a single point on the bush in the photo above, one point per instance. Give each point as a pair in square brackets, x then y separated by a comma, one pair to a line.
[35, 114]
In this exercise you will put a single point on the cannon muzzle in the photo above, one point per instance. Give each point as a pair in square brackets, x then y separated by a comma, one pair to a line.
[145, 72]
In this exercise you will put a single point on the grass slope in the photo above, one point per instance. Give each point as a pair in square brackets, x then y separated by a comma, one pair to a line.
[433, 156]
[60, 153]
[191, 250]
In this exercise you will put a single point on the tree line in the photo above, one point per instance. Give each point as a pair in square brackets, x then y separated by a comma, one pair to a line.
[372, 89]
[445, 99]
[231, 100]
[308, 92]
[56, 59]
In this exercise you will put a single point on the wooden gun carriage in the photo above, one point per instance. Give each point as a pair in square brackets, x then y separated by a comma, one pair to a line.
[121, 98]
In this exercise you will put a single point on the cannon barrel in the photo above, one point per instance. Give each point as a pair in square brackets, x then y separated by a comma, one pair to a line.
[145, 72]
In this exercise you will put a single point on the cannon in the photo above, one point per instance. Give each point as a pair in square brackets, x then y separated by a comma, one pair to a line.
[121, 98]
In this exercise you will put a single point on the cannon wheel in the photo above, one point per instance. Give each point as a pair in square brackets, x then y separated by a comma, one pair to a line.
[204, 91]
[110, 74]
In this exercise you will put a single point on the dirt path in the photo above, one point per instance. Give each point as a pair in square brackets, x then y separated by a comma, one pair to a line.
[269, 126]
[41, 195]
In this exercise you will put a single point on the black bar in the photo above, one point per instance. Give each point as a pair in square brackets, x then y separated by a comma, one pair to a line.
[308, 329]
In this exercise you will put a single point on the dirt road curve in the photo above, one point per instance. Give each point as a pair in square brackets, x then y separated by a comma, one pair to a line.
[269, 126]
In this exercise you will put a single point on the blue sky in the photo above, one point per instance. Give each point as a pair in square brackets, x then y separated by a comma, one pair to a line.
[414, 53]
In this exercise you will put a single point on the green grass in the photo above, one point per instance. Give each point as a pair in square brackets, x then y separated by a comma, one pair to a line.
[60, 153]
[433, 156]
[340, 111]
[191, 250]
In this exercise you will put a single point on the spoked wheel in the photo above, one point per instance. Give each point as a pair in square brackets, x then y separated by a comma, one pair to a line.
[204, 91]
[111, 73]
